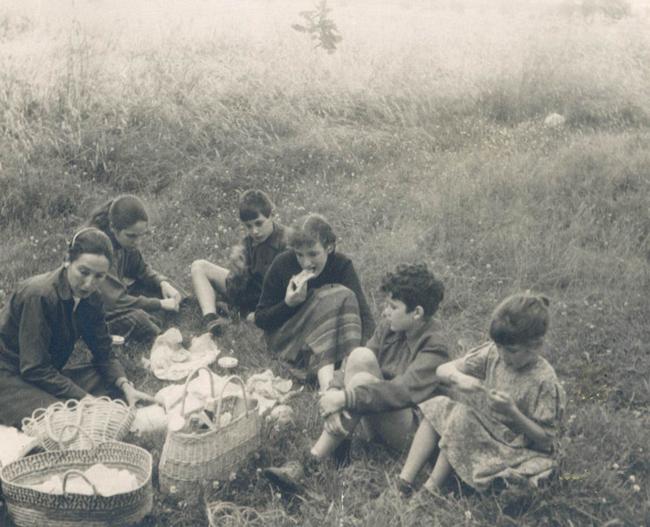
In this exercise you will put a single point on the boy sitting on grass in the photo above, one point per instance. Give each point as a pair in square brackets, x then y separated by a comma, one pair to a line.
[383, 382]
[240, 287]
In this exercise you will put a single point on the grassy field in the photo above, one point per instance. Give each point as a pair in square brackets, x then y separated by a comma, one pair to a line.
[422, 137]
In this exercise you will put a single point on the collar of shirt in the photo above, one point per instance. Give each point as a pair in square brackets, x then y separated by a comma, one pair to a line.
[61, 285]
[413, 340]
[274, 240]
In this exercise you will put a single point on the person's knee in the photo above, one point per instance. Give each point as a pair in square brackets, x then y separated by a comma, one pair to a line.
[144, 325]
[361, 359]
[199, 268]
[361, 378]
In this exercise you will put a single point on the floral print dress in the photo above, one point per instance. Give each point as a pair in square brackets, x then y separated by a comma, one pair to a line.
[479, 445]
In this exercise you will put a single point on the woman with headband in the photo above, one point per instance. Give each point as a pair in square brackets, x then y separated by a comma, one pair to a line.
[130, 312]
[39, 325]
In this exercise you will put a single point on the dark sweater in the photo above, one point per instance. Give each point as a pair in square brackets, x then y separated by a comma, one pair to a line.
[39, 327]
[128, 269]
[258, 258]
[272, 312]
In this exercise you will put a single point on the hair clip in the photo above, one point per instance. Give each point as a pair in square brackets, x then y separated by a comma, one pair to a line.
[80, 231]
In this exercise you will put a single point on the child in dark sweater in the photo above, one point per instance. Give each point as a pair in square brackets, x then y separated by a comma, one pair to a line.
[312, 307]
[242, 285]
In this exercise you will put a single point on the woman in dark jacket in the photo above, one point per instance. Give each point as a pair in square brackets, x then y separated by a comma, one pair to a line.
[40, 324]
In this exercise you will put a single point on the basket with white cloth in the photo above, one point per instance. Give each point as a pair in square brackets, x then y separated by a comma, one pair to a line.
[29, 505]
[192, 456]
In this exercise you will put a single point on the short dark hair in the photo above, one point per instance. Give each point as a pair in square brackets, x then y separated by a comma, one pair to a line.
[521, 318]
[309, 229]
[90, 240]
[119, 214]
[414, 285]
[254, 203]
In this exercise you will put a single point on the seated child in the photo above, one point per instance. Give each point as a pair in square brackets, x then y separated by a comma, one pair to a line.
[131, 288]
[384, 381]
[312, 308]
[505, 429]
[240, 287]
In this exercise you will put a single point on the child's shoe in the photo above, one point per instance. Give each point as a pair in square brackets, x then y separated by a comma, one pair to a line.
[216, 326]
[215, 323]
[423, 498]
[223, 309]
[291, 476]
[405, 488]
[341, 454]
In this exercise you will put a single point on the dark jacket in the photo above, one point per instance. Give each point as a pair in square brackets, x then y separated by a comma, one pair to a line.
[408, 365]
[129, 269]
[258, 258]
[38, 330]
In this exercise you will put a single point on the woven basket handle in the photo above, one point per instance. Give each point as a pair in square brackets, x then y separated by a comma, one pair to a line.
[37, 415]
[74, 472]
[80, 430]
[232, 378]
[68, 406]
[187, 382]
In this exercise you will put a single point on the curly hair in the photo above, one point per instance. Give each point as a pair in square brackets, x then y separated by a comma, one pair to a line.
[521, 318]
[414, 285]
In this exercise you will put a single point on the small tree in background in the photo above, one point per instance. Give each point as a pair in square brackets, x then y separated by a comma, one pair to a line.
[320, 27]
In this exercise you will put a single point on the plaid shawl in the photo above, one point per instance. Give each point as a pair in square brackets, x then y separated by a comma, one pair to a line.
[326, 328]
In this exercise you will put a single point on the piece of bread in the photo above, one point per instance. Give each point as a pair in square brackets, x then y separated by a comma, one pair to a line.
[301, 278]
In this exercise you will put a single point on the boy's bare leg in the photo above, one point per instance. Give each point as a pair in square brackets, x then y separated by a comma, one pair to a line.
[361, 367]
[325, 376]
[206, 277]
[423, 445]
[440, 473]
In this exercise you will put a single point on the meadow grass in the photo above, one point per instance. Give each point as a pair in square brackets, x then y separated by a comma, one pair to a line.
[422, 139]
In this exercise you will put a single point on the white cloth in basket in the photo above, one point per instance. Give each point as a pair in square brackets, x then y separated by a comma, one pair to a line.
[108, 482]
[266, 388]
[15, 444]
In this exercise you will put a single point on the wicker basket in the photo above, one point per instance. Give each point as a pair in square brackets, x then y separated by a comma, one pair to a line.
[29, 507]
[101, 418]
[188, 458]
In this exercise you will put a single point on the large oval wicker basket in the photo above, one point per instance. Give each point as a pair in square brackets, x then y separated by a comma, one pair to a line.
[100, 418]
[191, 457]
[29, 507]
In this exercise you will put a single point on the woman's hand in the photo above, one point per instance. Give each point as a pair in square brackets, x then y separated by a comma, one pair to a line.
[133, 396]
[501, 402]
[169, 291]
[331, 401]
[295, 294]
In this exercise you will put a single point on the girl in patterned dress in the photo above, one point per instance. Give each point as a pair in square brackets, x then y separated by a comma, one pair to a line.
[501, 418]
